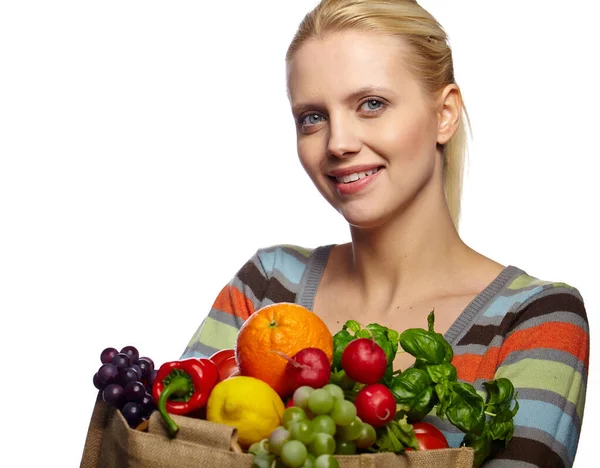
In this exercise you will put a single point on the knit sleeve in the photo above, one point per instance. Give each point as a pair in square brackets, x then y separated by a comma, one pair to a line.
[234, 304]
[546, 356]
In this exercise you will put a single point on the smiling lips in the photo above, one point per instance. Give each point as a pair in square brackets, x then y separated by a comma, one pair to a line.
[352, 180]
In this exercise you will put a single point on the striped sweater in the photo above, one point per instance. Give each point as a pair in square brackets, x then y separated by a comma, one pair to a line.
[533, 332]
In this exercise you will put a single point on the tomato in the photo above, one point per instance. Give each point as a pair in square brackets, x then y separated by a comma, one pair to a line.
[225, 361]
[221, 355]
[429, 437]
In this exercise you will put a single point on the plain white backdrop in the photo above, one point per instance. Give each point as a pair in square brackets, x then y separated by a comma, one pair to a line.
[147, 150]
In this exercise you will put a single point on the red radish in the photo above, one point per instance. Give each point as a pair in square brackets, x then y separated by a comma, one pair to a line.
[309, 366]
[375, 405]
[364, 361]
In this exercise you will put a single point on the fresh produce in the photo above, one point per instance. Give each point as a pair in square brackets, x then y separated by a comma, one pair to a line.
[309, 366]
[248, 404]
[183, 387]
[226, 363]
[323, 424]
[280, 328]
[125, 382]
[375, 405]
[428, 436]
[364, 361]
[429, 386]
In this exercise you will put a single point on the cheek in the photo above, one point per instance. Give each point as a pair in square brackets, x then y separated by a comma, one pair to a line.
[308, 154]
[411, 142]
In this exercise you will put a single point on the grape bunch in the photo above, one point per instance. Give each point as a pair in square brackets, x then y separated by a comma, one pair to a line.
[321, 424]
[125, 380]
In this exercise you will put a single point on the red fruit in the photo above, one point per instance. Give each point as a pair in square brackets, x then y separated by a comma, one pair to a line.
[375, 405]
[289, 403]
[219, 356]
[309, 366]
[364, 361]
[429, 437]
[225, 361]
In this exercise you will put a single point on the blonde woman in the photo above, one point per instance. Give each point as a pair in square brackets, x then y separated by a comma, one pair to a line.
[381, 133]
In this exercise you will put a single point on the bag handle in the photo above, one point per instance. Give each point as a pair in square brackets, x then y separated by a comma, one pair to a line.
[198, 431]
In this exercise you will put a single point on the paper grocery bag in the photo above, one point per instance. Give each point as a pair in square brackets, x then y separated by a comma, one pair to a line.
[111, 443]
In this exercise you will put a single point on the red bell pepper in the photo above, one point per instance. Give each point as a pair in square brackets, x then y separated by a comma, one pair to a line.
[182, 387]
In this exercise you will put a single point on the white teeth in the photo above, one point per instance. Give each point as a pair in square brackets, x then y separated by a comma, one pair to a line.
[355, 176]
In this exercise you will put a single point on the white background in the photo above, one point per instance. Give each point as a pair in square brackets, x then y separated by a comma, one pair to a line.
[147, 150]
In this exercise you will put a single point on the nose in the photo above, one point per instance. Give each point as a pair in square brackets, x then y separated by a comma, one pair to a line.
[343, 139]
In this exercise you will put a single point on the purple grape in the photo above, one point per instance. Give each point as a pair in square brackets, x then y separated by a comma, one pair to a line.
[107, 374]
[148, 405]
[137, 370]
[132, 412]
[114, 395]
[107, 355]
[135, 391]
[132, 352]
[127, 376]
[122, 361]
[149, 360]
[99, 385]
[146, 366]
[150, 379]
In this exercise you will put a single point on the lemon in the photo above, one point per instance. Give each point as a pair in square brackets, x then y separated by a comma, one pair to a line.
[248, 404]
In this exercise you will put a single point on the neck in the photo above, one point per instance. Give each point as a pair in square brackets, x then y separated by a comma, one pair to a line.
[409, 255]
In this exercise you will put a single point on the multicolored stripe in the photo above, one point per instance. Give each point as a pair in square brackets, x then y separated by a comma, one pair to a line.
[533, 332]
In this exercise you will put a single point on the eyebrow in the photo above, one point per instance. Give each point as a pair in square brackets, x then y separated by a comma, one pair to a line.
[365, 90]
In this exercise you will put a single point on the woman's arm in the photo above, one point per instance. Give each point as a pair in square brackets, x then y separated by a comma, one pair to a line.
[546, 356]
[234, 304]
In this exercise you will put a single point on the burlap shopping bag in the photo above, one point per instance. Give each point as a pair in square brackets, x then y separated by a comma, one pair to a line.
[111, 443]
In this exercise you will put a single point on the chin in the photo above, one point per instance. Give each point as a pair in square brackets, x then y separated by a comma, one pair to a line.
[363, 219]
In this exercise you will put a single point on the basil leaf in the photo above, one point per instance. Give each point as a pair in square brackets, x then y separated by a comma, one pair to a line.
[423, 345]
[404, 432]
[481, 444]
[466, 408]
[413, 390]
[440, 372]
[500, 394]
[353, 325]
[444, 395]
[340, 341]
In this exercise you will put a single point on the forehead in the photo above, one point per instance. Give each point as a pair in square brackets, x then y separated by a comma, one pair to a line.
[342, 62]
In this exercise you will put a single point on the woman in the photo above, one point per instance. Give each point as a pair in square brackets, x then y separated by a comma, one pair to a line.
[381, 131]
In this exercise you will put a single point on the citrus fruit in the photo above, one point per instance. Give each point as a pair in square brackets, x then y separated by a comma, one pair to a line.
[280, 328]
[248, 404]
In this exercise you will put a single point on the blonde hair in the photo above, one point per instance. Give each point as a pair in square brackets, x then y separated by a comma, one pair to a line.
[431, 60]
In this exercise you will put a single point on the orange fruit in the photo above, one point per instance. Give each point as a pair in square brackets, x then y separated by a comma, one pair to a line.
[282, 327]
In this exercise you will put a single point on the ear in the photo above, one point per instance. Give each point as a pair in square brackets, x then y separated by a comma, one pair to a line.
[449, 113]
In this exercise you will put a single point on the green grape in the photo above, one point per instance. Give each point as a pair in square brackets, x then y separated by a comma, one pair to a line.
[351, 431]
[258, 448]
[320, 401]
[303, 431]
[324, 424]
[322, 445]
[301, 395]
[277, 438]
[343, 412]
[291, 415]
[345, 447]
[309, 462]
[326, 461]
[367, 436]
[263, 461]
[335, 391]
[293, 453]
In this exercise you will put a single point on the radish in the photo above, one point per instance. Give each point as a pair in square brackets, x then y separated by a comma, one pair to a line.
[308, 367]
[364, 361]
[375, 405]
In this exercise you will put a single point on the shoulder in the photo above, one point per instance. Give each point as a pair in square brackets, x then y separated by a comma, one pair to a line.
[287, 260]
[534, 301]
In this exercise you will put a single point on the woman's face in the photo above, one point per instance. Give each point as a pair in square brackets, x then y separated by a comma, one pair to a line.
[366, 134]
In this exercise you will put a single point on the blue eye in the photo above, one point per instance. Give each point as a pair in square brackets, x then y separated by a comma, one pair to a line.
[372, 105]
[311, 119]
